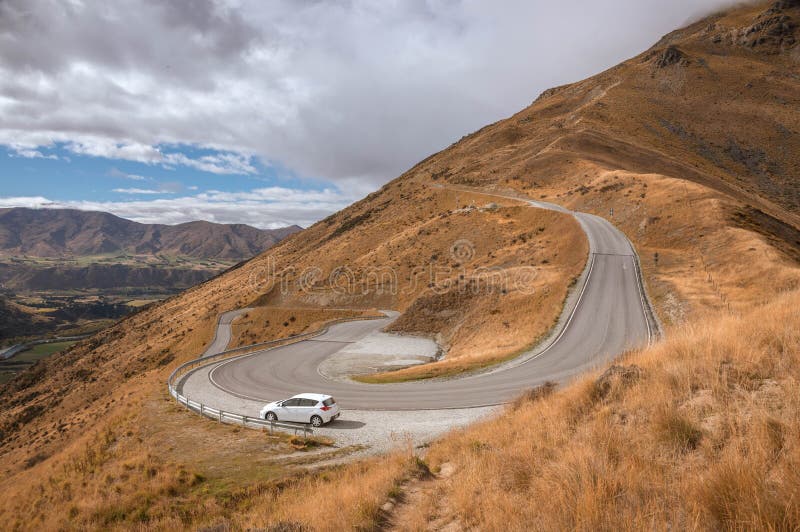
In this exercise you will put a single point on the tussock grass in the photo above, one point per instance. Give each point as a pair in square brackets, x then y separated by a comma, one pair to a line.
[678, 430]
[699, 432]
[704, 439]
[533, 395]
[347, 498]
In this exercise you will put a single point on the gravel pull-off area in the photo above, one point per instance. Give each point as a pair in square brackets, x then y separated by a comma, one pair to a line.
[378, 351]
[370, 432]
[374, 432]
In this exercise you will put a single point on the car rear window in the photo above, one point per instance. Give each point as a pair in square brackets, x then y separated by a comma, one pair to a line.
[329, 401]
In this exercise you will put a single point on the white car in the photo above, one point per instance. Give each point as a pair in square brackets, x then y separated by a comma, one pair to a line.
[313, 408]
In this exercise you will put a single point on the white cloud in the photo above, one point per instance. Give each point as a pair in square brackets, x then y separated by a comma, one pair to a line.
[222, 163]
[110, 149]
[219, 163]
[116, 172]
[31, 202]
[266, 208]
[172, 187]
[29, 153]
[273, 194]
[136, 191]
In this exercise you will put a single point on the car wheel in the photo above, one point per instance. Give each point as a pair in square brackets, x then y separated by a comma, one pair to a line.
[316, 421]
[271, 416]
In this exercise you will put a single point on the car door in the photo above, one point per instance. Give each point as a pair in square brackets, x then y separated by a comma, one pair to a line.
[304, 410]
[289, 410]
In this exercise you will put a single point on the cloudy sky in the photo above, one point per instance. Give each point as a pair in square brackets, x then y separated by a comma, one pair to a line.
[281, 111]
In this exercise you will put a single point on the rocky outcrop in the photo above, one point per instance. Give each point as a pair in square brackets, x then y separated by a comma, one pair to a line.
[782, 5]
[671, 55]
[775, 30]
[551, 92]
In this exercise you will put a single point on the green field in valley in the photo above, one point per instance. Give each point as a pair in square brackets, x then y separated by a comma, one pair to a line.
[25, 359]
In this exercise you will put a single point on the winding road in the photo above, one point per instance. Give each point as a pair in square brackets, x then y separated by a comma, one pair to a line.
[610, 316]
[222, 336]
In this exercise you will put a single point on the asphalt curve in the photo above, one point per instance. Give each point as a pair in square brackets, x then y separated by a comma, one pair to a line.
[609, 318]
[222, 337]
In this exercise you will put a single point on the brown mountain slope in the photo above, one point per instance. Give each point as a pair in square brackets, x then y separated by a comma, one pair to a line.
[704, 122]
[712, 103]
[698, 174]
[66, 232]
[15, 321]
[100, 277]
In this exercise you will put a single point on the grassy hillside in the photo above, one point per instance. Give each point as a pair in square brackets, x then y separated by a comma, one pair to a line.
[15, 320]
[694, 146]
[697, 432]
[262, 324]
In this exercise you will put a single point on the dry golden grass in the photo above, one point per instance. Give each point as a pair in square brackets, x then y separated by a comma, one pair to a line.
[698, 432]
[346, 498]
[481, 324]
[267, 323]
[705, 438]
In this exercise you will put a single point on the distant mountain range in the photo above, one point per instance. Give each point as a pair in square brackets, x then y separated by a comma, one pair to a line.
[53, 253]
[67, 232]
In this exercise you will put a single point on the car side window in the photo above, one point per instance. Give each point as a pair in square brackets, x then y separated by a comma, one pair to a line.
[308, 402]
[292, 402]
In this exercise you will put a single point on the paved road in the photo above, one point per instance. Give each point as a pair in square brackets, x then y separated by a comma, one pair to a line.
[609, 318]
[223, 335]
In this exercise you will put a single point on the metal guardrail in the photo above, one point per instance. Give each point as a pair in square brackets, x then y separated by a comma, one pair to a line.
[232, 417]
[650, 314]
[246, 421]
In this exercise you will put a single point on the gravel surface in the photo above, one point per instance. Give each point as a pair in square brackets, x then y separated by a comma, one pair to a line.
[376, 431]
[378, 351]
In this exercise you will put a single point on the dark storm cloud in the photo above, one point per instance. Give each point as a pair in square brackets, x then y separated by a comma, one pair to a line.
[350, 91]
